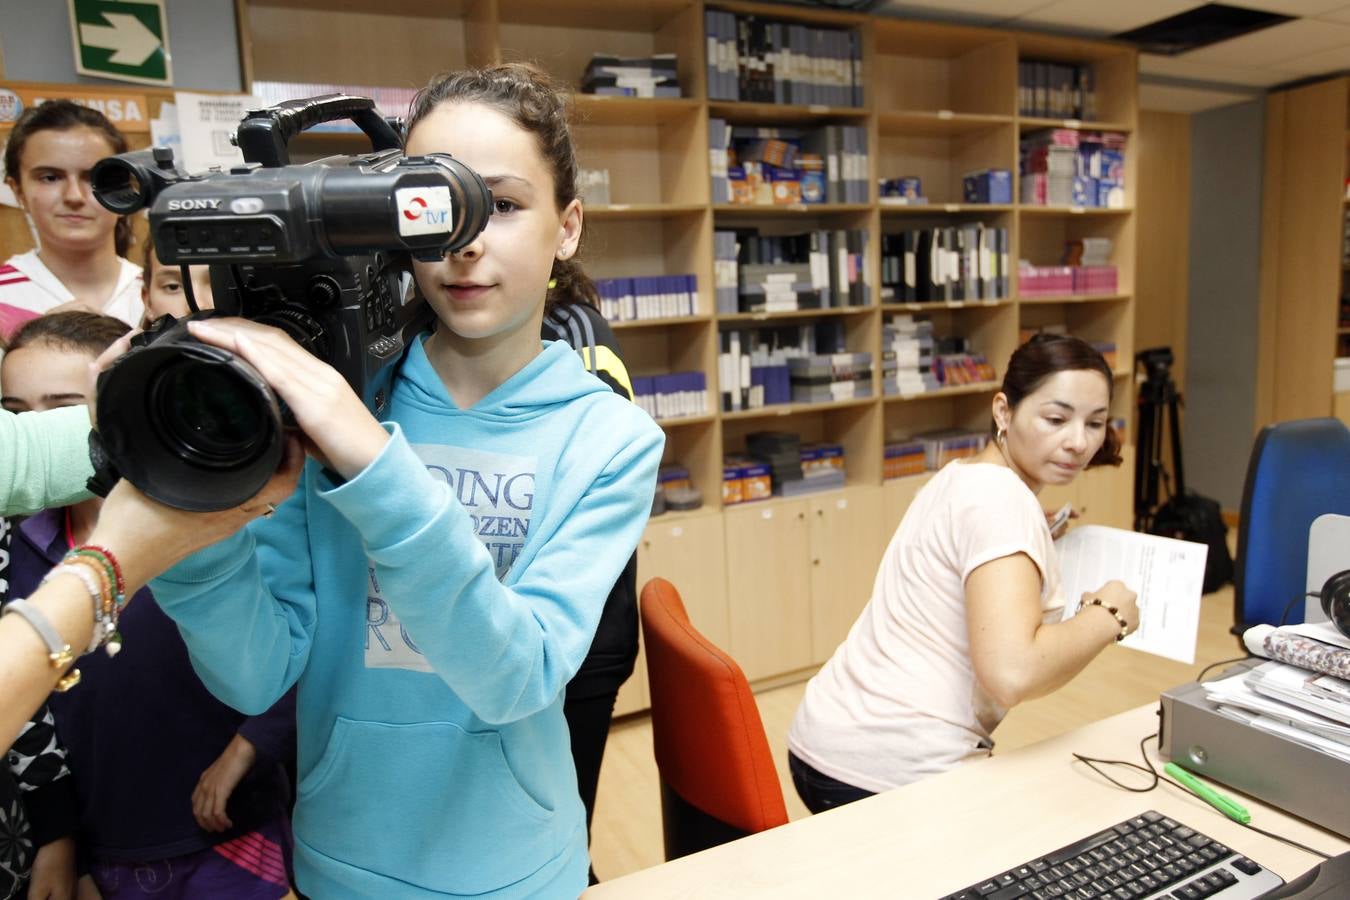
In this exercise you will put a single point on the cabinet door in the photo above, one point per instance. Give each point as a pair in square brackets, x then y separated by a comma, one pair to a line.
[688, 552]
[769, 587]
[848, 537]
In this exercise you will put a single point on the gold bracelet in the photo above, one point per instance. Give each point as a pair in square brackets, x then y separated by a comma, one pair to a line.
[1115, 613]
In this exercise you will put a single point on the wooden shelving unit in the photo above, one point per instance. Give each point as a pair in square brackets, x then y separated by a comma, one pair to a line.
[941, 100]
[1303, 269]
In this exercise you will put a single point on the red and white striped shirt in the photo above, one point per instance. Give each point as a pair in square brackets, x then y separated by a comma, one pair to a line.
[28, 289]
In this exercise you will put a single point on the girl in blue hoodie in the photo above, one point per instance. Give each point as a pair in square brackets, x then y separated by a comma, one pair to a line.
[436, 579]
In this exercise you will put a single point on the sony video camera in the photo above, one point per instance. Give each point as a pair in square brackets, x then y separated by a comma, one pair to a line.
[321, 250]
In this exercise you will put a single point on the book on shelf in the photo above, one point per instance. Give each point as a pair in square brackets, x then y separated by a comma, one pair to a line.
[902, 458]
[1067, 167]
[646, 76]
[1035, 282]
[987, 186]
[821, 269]
[744, 480]
[756, 59]
[945, 263]
[726, 249]
[652, 297]
[829, 378]
[907, 356]
[915, 361]
[672, 396]
[1054, 90]
[945, 445]
[780, 166]
[754, 364]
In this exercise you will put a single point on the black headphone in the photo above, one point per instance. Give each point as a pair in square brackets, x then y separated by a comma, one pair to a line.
[1335, 596]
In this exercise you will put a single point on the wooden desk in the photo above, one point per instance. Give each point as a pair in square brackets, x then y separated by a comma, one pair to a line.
[944, 833]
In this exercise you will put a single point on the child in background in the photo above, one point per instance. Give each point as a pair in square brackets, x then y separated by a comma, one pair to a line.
[162, 287]
[178, 795]
[79, 262]
[436, 579]
[571, 315]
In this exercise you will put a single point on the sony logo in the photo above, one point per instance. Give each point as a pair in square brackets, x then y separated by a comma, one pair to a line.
[193, 204]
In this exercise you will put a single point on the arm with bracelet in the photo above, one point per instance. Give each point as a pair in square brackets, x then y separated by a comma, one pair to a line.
[74, 611]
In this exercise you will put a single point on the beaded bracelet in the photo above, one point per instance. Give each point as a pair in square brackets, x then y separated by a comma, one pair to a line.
[1115, 613]
[106, 611]
[106, 558]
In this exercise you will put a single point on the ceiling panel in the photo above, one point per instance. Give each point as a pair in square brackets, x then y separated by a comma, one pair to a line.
[1181, 67]
[1168, 98]
[1271, 46]
[1340, 14]
[1290, 7]
[1096, 17]
[984, 11]
[1335, 60]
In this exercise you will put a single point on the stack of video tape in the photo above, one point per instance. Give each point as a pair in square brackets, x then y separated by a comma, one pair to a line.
[830, 377]
[648, 76]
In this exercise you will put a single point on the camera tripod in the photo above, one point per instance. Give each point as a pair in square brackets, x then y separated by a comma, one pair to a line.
[1158, 396]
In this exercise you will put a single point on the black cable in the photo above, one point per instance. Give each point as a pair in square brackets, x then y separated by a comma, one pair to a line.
[1288, 607]
[1091, 763]
[1205, 670]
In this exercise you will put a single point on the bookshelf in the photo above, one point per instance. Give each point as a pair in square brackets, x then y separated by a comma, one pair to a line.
[778, 581]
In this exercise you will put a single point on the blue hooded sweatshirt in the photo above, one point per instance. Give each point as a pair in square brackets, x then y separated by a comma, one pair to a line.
[433, 608]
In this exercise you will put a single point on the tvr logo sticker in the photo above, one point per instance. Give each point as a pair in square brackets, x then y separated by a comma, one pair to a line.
[424, 210]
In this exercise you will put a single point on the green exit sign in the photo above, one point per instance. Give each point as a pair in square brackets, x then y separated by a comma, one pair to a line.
[127, 40]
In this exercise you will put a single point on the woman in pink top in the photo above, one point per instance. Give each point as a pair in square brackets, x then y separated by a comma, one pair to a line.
[966, 615]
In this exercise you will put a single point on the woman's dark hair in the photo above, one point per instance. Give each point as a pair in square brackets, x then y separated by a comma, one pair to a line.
[1045, 355]
[80, 332]
[538, 104]
[61, 115]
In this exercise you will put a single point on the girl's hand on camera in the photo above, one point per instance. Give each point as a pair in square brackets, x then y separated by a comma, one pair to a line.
[339, 431]
[148, 537]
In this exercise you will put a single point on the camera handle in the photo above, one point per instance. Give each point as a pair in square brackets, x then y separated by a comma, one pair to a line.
[264, 134]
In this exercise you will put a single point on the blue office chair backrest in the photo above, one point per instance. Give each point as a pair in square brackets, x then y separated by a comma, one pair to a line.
[1298, 471]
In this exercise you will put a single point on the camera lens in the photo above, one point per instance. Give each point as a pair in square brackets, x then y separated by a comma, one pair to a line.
[208, 414]
[191, 425]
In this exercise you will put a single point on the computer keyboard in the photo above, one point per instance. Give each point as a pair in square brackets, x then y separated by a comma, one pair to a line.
[1147, 856]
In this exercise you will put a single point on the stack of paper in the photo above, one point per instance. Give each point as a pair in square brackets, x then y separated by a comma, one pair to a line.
[1294, 703]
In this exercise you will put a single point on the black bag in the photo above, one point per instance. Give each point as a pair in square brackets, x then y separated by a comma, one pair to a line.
[1191, 517]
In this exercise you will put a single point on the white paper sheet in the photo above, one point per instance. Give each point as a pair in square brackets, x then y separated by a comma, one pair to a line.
[205, 123]
[1289, 684]
[1167, 574]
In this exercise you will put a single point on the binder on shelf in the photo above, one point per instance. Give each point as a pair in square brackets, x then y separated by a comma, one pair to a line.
[776, 61]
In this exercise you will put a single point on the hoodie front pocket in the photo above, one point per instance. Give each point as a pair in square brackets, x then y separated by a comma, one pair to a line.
[430, 803]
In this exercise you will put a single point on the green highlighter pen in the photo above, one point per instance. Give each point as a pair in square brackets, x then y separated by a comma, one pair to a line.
[1230, 808]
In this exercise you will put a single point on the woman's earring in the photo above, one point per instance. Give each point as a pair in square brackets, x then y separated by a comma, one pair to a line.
[1002, 437]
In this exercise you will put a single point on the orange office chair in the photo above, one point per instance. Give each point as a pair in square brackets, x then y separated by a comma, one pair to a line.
[718, 781]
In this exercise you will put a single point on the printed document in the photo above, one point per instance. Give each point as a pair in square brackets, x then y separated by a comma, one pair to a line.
[1167, 574]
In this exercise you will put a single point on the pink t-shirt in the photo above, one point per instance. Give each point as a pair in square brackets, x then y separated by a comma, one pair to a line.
[899, 700]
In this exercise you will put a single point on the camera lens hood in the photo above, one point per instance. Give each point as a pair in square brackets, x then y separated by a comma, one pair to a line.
[193, 426]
